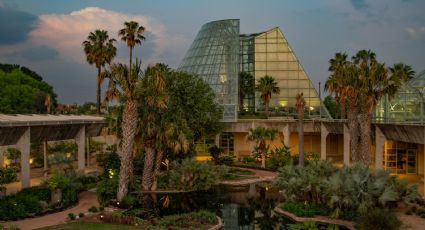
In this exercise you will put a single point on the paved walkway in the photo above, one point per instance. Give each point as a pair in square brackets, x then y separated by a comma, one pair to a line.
[86, 200]
[261, 175]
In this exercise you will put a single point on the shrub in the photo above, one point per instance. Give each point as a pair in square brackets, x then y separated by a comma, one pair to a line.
[305, 209]
[81, 215]
[248, 159]
[58, 181]
[226, 159]
[129, 200]
[71, 216]
[379, 219]
[107, 189]
[93, 209]
[40, 192]
[350, 189]
[190, 175]
[69, 196]
[279, 158]
[7, 175]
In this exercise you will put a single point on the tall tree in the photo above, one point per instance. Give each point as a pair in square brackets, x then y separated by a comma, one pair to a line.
[267, 86]
[362, 82]
[99, 50]
[260, 135]
[343, 84]
[186, 111]
[246, 87]
[132, 33]
[300, 105]
[122, 86]
[155, 98]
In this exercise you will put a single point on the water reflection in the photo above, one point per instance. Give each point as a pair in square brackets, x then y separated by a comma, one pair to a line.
[244, 207]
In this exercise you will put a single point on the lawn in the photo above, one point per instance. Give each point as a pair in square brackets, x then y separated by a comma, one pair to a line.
[88, 226]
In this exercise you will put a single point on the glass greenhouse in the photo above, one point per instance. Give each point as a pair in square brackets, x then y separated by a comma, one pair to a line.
[407, 106]
[219, 53]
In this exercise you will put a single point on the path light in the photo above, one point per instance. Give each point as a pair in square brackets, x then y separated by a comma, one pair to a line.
[101, 217]
[31, 160]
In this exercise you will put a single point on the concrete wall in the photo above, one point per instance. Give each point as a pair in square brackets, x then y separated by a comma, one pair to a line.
[335, 148]
[311, 142]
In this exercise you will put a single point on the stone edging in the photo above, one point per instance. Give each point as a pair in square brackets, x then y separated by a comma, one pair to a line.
[247, 181]
[319, 219]
[219, 225]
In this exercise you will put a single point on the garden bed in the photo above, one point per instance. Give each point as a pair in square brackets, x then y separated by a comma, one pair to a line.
[202, 220]
[318, 219]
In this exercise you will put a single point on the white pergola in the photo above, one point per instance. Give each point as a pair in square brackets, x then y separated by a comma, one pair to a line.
[21, 130]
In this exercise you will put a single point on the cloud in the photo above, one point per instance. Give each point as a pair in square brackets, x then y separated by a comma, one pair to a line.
[40, 53]
[66, 32]
[14, 25]
[359, 4]
[416, 33]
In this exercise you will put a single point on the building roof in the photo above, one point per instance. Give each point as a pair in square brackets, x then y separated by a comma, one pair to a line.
[7, 120]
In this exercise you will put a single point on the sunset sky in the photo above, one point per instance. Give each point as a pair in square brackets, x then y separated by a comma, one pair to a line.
[46, 35]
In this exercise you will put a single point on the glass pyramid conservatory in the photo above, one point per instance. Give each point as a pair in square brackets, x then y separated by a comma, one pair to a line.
[219, 53]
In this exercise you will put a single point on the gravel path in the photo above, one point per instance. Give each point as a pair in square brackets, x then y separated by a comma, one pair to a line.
[86, 200]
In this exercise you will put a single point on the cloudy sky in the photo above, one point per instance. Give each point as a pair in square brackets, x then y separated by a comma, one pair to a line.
[46, 35]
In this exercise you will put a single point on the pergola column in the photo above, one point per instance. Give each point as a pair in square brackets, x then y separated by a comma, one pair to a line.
[346, 146]
[286, 135]
[45, 167]
[88, 151]
[23, 145]
[217, 140]
[323, 144]
[379, 150]
[80, 139]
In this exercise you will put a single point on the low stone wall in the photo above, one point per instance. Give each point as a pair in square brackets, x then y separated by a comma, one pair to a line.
[318, 219]
[219, 225]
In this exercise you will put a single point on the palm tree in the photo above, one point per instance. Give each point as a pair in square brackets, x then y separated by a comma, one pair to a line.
[377, 81]
[300, 105]
[155, 99]
[260, 135]
[267, 86]
[48, 103]
[132, 33]
[99, 50]
[246, 87]
[122, 86]
[343, 84]
[169, 136]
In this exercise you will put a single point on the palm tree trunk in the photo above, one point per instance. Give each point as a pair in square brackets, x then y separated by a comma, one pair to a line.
[147, 177]
[131, 58]
[157, 171]
[365, 120]
[267, 109]
[353, 127]
[129, 123]
[99, 70]
[301, 140]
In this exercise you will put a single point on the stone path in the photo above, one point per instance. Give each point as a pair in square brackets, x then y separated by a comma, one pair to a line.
[86, 200]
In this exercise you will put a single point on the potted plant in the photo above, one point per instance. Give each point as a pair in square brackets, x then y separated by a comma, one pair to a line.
[7, 175]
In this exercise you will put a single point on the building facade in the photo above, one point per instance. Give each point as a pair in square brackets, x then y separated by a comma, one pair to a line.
[219, 53]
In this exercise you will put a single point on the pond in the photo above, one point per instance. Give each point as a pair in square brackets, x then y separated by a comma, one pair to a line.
[243, 207]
